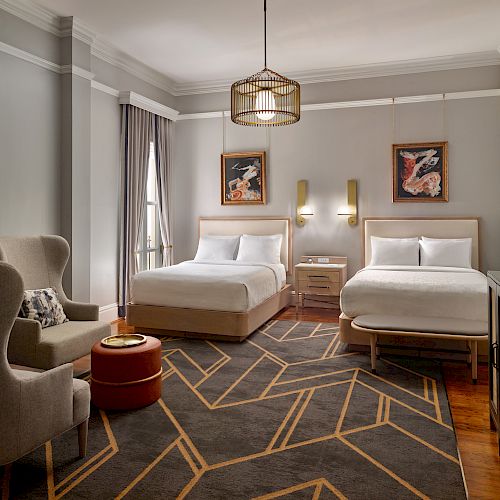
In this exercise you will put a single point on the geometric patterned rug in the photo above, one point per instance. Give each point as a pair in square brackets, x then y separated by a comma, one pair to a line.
[286, 414]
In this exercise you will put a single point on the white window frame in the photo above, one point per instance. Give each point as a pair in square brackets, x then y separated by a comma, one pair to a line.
[145, 251]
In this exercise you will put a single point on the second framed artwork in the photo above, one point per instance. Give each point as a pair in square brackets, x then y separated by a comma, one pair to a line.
[420, 172]
[243, 178]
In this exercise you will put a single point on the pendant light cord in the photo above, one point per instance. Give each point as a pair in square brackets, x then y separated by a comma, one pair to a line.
[265, 33]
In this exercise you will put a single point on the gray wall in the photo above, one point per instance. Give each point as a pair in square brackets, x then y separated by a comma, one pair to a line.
[30, 148]
[329, 147]
[104, 196]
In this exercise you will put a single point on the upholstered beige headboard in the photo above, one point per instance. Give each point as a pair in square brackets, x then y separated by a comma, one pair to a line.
[430, 227]
[253, 225]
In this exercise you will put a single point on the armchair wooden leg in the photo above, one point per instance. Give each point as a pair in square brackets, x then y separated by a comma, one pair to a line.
[474, 361]
[373, 351]
[83, 430]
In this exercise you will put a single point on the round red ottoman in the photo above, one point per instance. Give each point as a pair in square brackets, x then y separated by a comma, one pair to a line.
[126, 378]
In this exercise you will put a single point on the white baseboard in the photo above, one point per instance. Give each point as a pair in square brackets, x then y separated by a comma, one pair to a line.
[108, 313]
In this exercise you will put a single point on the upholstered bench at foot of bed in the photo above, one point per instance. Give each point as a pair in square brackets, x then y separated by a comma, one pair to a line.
[444, 328]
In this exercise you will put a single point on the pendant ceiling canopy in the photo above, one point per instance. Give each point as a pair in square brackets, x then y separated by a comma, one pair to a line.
[266, 99]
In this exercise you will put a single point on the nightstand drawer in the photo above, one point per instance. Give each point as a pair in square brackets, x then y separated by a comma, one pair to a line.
[319, 287]
[319, 275]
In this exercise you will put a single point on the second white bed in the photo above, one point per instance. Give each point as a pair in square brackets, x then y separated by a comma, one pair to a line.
[213, 285]
[419, 291]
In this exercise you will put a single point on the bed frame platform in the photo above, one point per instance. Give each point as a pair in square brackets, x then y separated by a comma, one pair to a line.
[359, 332]
[205, 324]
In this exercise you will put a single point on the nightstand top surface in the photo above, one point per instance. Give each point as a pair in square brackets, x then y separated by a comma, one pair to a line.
[305, 265]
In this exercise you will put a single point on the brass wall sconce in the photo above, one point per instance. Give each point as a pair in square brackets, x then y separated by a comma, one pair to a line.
[303, 209]
[351, 209]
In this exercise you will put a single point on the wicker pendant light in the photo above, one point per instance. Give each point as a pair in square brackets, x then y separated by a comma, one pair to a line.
[266, 99]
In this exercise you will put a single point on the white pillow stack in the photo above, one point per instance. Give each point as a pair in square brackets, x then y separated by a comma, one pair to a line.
[394, 251]
[446, 252]
[260, 248]
[217, 247]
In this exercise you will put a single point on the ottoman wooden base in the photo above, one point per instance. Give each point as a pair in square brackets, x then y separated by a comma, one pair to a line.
[126, 378]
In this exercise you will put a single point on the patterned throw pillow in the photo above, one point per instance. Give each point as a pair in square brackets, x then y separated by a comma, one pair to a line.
[43, 306]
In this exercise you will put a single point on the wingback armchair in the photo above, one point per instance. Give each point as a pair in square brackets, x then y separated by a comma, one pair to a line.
[36, 406]
[41, 260]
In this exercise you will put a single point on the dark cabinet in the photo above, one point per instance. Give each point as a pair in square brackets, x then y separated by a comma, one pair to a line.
[493, 356]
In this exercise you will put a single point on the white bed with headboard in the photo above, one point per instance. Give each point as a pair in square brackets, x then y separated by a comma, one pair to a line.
[217, 298]
[426, 301]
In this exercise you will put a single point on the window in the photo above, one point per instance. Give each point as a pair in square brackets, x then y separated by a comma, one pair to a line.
[149, 253]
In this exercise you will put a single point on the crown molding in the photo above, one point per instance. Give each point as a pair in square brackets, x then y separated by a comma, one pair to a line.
[411, 66]
[142, 102]
[70, 26]
[33, 13]
[110, 54]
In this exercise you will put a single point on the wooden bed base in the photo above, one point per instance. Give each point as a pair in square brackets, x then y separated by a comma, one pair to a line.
[205, 324]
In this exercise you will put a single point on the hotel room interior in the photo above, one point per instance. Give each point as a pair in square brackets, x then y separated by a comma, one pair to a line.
[249, 249]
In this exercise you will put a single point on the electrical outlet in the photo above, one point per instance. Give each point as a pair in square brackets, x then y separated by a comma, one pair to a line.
[323, 260]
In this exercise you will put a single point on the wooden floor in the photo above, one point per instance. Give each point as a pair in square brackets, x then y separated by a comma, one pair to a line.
[469, 407]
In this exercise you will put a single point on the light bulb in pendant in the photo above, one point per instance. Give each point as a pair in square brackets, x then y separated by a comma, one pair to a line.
[265, 101]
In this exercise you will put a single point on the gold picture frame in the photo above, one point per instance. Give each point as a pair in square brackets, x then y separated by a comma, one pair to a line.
[243, 178]
[420, 172]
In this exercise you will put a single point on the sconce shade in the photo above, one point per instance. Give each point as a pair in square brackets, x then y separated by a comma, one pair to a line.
[306, 210]
[344, 211]
[265, 99]
[351, 209]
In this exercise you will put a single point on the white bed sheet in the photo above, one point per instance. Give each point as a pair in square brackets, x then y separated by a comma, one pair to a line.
[225, 285]
[445, 292]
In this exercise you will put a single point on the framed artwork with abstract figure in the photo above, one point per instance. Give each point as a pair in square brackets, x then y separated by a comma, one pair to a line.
[243, 178]
[420, 172]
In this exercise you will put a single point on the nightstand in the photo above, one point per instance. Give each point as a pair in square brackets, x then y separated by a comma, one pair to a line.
[319, 275]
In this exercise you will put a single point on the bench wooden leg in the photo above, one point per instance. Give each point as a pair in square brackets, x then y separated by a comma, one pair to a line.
[469, 356]
[473, 346]
[373, 351]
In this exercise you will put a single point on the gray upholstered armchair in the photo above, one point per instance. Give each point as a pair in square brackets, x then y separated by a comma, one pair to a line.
[36, 406]
[40, 260]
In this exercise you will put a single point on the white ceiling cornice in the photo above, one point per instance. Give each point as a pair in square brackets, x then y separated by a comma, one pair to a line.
[115, 57]
[33, 13]
[65, 26]
[458, 61]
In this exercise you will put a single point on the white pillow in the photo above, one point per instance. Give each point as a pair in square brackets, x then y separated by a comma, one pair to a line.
[394, 251]
[446, 252]
[217, 248]
[260, 248]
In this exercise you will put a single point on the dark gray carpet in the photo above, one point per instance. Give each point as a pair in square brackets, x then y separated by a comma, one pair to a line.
[285, 414]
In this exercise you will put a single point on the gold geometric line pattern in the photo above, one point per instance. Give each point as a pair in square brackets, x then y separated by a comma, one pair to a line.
[148, 469]
[315, 372]
[406, 484]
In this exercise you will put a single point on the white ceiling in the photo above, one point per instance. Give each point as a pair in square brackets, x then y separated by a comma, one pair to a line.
[192, 41]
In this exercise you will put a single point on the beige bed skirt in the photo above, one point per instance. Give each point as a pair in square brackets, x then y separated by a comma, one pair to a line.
[202, 323]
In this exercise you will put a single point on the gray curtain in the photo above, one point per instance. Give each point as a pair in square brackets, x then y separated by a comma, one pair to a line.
[136, 133]
[163, 155]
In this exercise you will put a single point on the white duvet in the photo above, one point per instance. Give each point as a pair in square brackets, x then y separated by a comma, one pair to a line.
[226, 285]
[445, 292]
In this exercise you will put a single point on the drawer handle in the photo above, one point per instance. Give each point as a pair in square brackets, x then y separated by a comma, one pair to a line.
[316, 286]
[317, 276]
[494, 361]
